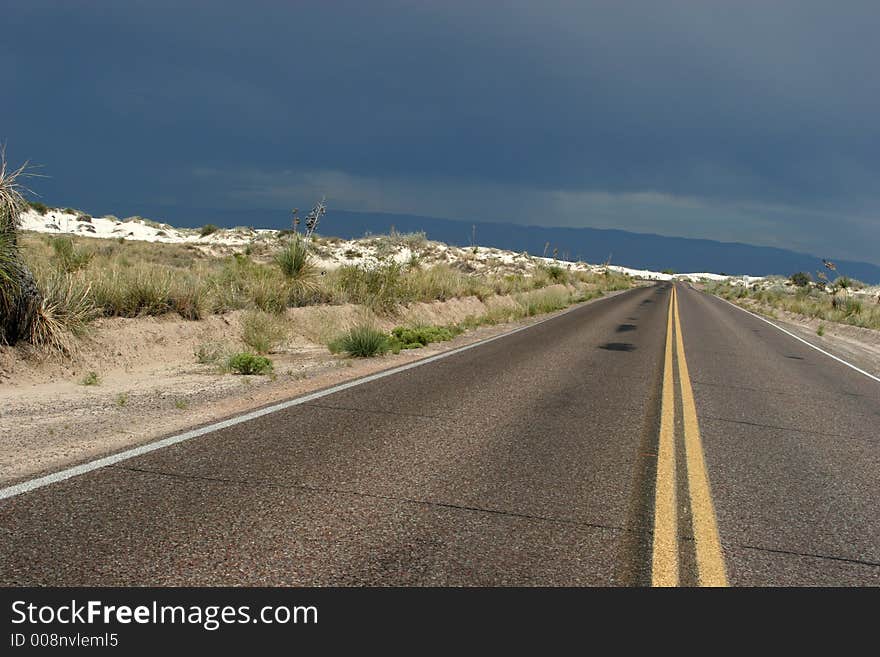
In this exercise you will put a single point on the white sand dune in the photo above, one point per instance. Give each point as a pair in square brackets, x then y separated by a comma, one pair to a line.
[363, 251]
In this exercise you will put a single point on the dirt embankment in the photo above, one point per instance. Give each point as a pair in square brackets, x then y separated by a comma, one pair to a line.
[150, 383]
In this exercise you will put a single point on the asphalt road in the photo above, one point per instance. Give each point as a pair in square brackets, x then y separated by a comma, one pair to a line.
[529, 460]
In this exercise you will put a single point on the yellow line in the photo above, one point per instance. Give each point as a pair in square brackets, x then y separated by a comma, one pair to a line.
[710, 559]
[664, 566]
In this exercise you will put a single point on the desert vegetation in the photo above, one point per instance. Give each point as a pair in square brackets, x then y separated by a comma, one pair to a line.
[81, 278]
[56, 286]
[842, 300]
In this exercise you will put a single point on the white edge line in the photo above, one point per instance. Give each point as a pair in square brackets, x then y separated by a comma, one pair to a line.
[797, 337]
[67, 473]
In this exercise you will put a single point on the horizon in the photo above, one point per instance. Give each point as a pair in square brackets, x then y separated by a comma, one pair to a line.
[518, 238]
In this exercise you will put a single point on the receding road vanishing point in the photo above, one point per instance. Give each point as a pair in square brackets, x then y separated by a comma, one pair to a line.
[656, 437]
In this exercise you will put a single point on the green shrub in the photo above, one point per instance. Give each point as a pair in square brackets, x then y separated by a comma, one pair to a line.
[208, 229]
[90, 379]
[362, 341]
[248, 363]
[801, 279]
[418, 336]
[556, 273]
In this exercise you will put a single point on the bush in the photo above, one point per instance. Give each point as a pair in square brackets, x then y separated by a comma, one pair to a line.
[420, 336]
[248, 363]
[262, 331]
[801, 279]
[362, 341]
[556, 273]
[208, 229]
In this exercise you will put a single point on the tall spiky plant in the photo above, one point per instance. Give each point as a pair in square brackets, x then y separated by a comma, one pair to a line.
[20, 297]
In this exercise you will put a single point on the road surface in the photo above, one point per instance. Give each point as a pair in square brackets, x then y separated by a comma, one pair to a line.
[648, 438]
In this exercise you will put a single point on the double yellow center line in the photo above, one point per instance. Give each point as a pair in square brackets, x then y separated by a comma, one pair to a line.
[667, 537]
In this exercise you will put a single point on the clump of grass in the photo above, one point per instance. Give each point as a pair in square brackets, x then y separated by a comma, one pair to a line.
[208, 229]
[39, 208]
[248, 363]
[262, 331]
[90, 379]
[381, 288]
[539, 302]
[64, 311]
[362, 341]
[821, 330]
[68, 257]
[122, 399]
[133, 291]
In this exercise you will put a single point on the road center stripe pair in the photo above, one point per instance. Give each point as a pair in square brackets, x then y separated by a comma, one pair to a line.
[665, 552]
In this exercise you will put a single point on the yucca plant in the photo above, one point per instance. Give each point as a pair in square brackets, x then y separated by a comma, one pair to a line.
[293, 258]
[19, 295]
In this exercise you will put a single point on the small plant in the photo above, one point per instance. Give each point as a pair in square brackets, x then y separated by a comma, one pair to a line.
[208, 229]
[122, 399]
[262, 331]
[556, 273]
[821, 330]
[181, 404]
[362, 341]
[91, 379]
[247, 363]
[801, 279]
[39, 208]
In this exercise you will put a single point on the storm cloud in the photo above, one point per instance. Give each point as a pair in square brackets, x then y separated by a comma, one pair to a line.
[746, 121]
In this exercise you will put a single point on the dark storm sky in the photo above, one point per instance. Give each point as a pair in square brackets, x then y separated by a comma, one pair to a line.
[748, 121]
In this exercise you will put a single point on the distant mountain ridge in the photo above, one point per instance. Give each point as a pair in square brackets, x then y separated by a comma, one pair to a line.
[637, 250]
